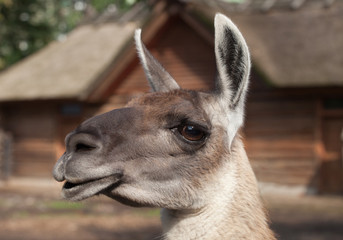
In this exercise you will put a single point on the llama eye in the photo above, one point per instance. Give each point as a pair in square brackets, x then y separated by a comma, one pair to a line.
[191, 133]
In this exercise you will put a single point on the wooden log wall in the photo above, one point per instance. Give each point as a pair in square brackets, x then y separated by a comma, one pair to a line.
[33, 129]
[280, 140]
[331, 164]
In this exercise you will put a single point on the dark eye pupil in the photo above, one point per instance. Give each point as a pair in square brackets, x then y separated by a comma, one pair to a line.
[191, 133]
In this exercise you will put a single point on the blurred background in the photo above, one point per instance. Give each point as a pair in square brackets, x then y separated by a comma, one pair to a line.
[64, 61]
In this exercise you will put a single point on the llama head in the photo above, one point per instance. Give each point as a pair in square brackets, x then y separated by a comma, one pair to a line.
[162, 148]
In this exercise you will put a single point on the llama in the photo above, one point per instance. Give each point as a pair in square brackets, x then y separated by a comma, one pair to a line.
[179, 150]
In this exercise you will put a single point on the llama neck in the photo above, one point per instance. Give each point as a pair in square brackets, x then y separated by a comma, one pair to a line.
[233, 210]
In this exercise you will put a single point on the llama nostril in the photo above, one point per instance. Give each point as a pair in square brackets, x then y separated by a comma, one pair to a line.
[82, 147]
[82, 142]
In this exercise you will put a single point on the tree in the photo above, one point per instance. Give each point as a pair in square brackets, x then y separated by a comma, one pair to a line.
[28, 25]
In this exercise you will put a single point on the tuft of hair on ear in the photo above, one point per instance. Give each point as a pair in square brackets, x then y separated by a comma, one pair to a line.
[233, 61]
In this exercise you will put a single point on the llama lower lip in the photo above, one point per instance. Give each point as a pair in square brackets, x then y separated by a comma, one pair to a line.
[81, 191]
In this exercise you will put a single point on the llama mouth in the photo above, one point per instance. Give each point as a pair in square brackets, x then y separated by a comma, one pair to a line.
[80, 191]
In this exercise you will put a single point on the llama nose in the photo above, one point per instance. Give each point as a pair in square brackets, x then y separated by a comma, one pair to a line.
[82, 143]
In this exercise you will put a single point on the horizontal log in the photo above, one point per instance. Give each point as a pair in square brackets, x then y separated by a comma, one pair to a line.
[286, 106]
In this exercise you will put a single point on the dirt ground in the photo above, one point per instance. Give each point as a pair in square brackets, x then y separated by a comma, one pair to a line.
[36, 212]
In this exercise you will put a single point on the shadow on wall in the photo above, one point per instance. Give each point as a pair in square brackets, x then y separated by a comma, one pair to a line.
[329, 174]
[331, 177]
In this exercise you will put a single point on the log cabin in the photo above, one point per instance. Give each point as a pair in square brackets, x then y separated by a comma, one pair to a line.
[294, 120]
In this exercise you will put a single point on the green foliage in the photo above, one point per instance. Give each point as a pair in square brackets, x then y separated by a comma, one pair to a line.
[122, 5]
[148, 213]
[28, 25]
[101, 5]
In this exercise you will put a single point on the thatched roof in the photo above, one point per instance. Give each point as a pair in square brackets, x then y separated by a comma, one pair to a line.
[292, 45]
[66, 69]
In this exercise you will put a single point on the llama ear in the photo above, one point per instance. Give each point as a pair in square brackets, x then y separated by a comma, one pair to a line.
[233, 65]
[159, 79]
[233, 61]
